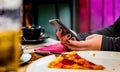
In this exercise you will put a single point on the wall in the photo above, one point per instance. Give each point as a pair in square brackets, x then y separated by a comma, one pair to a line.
[47, 12]
[96, 14]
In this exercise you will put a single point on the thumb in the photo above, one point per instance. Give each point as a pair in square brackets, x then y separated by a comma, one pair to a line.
[91, 36]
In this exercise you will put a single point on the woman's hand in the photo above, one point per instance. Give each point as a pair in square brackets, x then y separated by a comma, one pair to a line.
[92, 42]
[63, 38]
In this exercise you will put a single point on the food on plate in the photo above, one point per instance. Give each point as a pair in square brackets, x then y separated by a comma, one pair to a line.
[73, 61]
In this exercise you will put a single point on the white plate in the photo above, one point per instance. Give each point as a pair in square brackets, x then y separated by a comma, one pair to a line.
[25, 58]
[111, 60]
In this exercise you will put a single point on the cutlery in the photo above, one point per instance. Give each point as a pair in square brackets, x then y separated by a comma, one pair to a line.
[48, 53]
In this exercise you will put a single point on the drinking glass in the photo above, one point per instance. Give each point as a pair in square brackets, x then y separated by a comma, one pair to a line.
[10, 26]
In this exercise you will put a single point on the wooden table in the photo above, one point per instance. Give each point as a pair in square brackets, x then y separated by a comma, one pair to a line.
[29, 48]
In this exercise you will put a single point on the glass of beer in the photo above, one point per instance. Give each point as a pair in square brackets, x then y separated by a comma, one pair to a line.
[10, 26]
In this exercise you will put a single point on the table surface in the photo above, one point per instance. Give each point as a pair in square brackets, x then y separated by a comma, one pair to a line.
[29, 48]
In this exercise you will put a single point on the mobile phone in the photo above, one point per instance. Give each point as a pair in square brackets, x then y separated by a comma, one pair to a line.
[58, 24]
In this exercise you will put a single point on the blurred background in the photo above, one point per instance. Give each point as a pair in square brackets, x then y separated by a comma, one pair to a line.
[79, 15]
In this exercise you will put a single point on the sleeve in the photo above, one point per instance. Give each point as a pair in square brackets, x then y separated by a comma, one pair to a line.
[110, 44]
[111, 37]
[111, 31]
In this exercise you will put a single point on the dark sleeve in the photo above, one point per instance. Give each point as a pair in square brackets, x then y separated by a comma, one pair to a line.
[111, 37]
[111, 31]
[110, 43]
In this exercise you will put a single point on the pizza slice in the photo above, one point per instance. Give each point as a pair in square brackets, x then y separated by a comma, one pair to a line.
[73, 61]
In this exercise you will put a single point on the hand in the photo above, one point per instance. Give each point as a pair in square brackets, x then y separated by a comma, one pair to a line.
[63, 38]
[59, 34]
[92, 42]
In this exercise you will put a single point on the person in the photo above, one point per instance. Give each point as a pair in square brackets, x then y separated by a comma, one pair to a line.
[105, 39]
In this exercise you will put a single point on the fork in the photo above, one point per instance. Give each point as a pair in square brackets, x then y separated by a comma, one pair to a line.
[49, 53]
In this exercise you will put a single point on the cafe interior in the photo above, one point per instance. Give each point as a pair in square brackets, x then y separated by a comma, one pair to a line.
[79, 15]
[40, 45]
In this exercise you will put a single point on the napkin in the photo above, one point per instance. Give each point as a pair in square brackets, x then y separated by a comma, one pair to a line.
[56, 48]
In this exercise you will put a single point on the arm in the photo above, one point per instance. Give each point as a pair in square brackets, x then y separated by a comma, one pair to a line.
[107, 39]
[111, 37]
[111, 31]
[96, 42]
[110, 43]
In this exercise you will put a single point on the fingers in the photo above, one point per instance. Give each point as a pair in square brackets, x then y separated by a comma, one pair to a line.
[73, 38]
[78, 43]
[59, 33]
[68, 36]
[92, 42]
[78, 49]
[64, 39]
[61, 36]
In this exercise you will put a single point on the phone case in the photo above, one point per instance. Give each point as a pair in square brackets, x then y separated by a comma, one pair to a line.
[58, 24]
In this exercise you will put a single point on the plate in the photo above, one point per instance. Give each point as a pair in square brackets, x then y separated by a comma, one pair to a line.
[25, 58]
[111, 61]
[41, 39]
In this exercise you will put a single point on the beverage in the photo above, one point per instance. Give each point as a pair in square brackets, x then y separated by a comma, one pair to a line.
[10, 24]
[9, 50]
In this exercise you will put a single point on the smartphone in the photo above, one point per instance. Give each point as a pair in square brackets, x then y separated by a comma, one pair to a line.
[59, 25]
